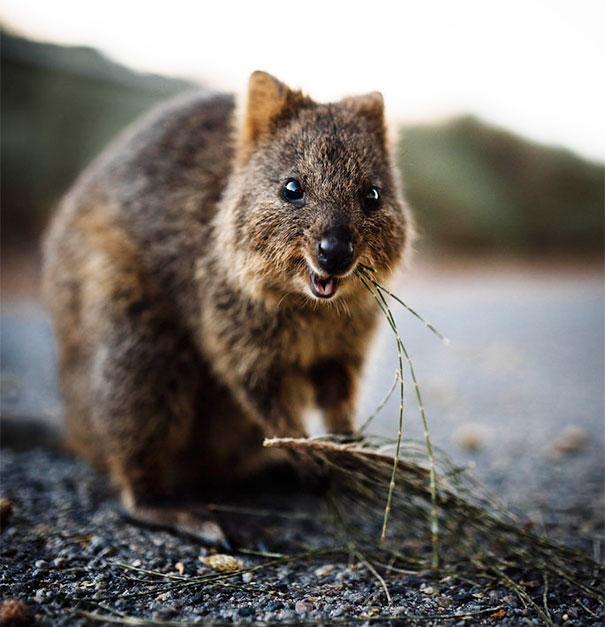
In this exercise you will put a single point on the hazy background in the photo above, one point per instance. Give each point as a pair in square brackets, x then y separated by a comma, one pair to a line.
[499, 107]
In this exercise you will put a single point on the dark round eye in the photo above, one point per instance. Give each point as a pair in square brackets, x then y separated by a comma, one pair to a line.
[292, 191]
[372, 198]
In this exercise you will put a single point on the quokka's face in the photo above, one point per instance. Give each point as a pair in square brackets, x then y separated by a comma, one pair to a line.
[320, 198]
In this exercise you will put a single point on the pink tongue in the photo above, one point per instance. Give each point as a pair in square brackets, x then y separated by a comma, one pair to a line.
[325, 286]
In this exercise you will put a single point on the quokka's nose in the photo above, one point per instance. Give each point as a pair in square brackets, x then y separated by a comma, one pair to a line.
[335, 250]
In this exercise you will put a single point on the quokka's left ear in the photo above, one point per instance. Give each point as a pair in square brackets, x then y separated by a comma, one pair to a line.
[371, 107]
[269, 102]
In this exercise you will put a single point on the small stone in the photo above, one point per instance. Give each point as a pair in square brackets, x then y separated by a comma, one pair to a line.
[245, 611]
[461, 596]
[93, 542]
[108, 551]
[247, 577]
[570, 440]
[303, 606]
[14, 613]
[324, 570]
[59, 561]
[40, 563]
[471, 436]
[370, 612]
[180, 568]
[399, 611]
[341, 610]
[273, 606]
[222, 563]
[164, 596]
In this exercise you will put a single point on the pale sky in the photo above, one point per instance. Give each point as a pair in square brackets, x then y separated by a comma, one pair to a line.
[533, 66]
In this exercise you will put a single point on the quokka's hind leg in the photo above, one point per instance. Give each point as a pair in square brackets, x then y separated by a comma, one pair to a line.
[129, 373]
[144, 393]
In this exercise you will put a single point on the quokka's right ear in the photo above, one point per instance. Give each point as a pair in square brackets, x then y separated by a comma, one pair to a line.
[269, 101]
[371, 107]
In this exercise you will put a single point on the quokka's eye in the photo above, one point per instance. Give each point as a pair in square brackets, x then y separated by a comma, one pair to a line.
[293, 192]
[372, 198]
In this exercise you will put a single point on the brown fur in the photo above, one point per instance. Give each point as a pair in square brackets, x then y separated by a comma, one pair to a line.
[178, 281]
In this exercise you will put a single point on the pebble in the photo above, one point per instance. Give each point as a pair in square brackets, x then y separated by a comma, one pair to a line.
[471, 436]
[272, 606]
[223, 563]
[108, 551]
[304, 606]
[40, 595]
[570, 440]
[322, 571]
[462, 596]
[96, 544]
[245, 611]
[399, 611]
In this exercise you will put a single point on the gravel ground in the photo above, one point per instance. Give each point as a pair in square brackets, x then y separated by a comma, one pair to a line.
[519, 393]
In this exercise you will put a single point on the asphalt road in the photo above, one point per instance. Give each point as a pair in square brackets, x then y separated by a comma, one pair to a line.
[519, 392]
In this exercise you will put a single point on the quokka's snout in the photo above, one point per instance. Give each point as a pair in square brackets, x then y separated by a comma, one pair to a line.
[334, 251]
[333, 257]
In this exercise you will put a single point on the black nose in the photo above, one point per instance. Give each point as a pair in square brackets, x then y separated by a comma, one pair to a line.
[335, 250]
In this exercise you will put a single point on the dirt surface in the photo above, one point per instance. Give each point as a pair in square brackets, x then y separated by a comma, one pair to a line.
[518, 394]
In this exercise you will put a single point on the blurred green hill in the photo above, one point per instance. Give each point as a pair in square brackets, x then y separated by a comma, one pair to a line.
[471, 185]
[60, 106]
[475, 186]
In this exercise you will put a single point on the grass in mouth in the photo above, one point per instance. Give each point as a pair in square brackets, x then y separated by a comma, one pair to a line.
[378, 291]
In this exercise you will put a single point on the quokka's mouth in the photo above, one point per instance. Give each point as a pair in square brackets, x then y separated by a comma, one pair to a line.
[323, 287]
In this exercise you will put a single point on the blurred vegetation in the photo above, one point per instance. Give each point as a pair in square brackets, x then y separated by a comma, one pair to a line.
[475, 186]
[60, 106]
[471, 185]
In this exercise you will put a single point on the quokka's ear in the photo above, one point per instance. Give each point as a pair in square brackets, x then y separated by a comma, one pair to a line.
[371, 107]
[269, 100]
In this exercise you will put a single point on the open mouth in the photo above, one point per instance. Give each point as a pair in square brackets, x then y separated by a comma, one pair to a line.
[323, 287]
